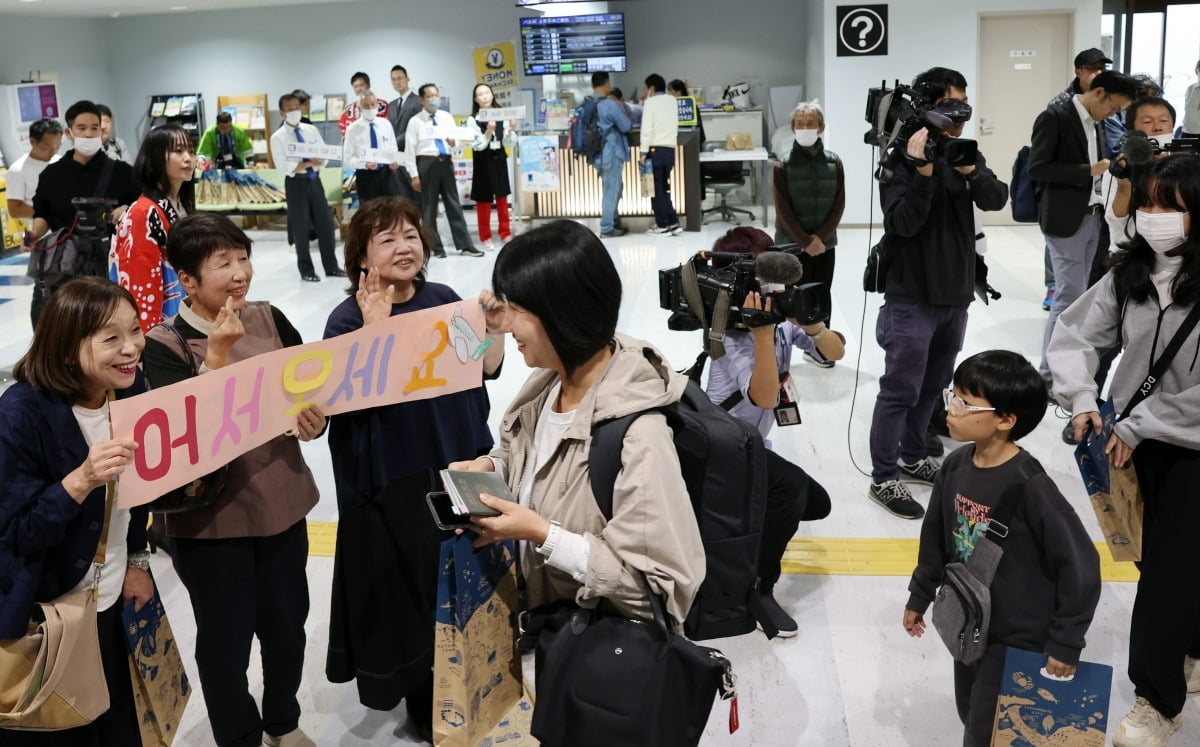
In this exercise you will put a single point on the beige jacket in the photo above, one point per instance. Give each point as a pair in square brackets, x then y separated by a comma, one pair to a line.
[653, 528]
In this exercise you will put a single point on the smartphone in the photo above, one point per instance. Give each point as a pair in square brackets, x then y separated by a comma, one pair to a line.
[444, 516]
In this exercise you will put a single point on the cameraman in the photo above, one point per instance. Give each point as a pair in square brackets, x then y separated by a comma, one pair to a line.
[1154, 117]
[747, 382]
[85, 171]
[929, 242]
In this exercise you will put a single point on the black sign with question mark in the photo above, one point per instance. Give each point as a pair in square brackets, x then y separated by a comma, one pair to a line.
[862, 30]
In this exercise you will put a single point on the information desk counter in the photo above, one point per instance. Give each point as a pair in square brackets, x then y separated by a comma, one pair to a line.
[580, 193]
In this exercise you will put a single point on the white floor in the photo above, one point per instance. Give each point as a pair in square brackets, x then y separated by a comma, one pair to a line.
[852, 676]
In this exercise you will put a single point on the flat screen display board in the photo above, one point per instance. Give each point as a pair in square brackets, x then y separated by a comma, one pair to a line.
[554, 45]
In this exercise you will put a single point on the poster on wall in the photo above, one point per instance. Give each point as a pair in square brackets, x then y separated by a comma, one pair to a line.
[539, 163]
[496, 65]
[464, 164]
[862, 30]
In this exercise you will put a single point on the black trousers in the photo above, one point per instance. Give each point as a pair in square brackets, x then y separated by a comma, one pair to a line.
[792, 497]
[976, 690]
[40, 297]
[662, 162]
[1166, 611]
[241, 588]
[117, 727]
[402, 185]
[819, 269]
[308, 210]
[437, 181]
[373, 183]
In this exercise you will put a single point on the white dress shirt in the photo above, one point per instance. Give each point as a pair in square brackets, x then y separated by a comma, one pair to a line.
[1089, 130]
[483, 140]
[358, 137]
[23, 177]
[420, 138]
[660, 122]
[290, 164]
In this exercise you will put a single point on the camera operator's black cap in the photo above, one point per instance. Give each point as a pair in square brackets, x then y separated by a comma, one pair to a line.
[1091, 57]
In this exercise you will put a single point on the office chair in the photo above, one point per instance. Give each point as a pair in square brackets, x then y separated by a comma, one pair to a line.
[721, 177]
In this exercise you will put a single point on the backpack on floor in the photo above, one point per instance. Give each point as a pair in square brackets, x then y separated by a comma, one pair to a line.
[586, 139]
[723, 461]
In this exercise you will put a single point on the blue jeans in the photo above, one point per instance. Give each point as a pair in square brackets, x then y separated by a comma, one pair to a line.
[662, 160]
[610, 180]
[920, 343]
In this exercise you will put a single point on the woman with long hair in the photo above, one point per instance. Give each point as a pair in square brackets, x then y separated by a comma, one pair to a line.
[490, 180]
[1139, 306]
[164, 167]
[58, 459]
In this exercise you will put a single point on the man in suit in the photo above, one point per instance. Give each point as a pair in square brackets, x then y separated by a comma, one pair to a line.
[401, 109]
[1067, 158]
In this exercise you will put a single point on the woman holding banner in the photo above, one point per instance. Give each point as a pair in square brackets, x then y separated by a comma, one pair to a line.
[385, 460]
[58, 461]
[1145, 305]
[242, 559]
[489, 180]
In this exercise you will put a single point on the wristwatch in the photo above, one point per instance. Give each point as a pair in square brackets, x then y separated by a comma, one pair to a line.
[140, 560]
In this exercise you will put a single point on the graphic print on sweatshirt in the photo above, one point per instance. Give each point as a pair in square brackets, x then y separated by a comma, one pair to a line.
[970, 524]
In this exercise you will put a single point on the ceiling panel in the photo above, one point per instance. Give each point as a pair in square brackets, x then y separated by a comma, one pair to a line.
[118, 8]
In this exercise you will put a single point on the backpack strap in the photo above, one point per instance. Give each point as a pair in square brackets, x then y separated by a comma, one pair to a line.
[1002, 515]
[604, 459]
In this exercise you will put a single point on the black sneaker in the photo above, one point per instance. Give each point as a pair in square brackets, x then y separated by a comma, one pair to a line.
[1068, 434]
[615, 232]
[779, 618]
[894, 497]
[470, 251]
[439, 253]
[922, 471]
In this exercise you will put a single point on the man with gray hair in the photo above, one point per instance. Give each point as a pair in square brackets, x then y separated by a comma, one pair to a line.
[370, 148]
[45, 137]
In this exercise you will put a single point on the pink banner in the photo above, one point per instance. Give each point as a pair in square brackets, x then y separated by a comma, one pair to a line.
[186, 430]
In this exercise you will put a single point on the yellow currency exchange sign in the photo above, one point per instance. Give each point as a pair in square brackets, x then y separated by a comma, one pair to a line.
[496, 65]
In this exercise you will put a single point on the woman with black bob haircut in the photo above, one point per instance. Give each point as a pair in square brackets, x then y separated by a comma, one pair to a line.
[1139, 306]
[164, 167]
[57, 458]
[385, 459]
[561, 295]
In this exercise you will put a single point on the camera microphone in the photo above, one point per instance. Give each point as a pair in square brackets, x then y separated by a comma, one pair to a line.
[778, 268]
[1138, 151]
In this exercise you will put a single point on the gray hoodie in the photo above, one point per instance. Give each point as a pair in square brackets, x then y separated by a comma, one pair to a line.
[1090, 326]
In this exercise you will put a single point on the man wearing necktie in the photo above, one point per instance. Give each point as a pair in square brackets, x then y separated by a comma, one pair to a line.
[1066, 158]
[307, 208]
[370, 147]
[428, 155]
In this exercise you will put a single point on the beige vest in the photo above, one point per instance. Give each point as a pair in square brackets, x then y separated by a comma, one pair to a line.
[268, 489]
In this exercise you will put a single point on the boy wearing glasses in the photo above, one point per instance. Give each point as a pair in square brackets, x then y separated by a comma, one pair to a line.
[1047, 584]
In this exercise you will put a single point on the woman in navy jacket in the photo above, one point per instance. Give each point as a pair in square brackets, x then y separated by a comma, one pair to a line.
[57, 455]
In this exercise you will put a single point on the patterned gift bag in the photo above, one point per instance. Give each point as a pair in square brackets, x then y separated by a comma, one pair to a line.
[1036, 711]
[160, 683]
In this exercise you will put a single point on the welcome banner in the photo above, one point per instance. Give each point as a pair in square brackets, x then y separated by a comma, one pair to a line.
[188, 429]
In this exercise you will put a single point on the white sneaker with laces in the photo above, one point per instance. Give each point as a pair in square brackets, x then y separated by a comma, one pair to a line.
[1144, 726]
[659, 231]
[1191, 672]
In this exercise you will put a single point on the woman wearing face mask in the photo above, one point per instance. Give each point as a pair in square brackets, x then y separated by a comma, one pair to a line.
[138, 262]
[810, 195]
[1140, 304]
[57, 459]
[385, 459]
[490, 181]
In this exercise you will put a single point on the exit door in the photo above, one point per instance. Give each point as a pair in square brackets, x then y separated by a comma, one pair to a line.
[1024, 61]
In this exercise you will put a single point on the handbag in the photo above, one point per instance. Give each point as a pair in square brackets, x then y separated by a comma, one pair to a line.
[603, 679]
[1115, 494]
[52, 678]
[61, 255]
[962, 610]
[879, 258]
[203, 491]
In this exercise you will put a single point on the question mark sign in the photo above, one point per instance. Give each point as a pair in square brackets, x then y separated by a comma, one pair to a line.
[865, 25]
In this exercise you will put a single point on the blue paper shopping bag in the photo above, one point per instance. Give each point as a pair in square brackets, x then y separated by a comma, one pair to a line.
[1114, 492]
[160, 683]
[1035, 710]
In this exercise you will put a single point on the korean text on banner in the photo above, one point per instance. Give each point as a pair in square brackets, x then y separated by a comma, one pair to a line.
[188, 429]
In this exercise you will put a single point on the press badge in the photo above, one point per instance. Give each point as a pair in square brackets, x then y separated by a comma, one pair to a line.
[787, 412]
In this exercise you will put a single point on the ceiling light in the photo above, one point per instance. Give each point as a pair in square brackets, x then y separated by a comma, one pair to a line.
[30, 1]
[178, 7]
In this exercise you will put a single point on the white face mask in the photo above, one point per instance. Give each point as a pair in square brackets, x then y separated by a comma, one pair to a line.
[88, 146]
[365, 113]
[292, 117]
[1162, 231]
[806, 138]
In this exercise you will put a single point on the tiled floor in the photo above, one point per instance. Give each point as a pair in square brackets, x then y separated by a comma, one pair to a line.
[852, 676]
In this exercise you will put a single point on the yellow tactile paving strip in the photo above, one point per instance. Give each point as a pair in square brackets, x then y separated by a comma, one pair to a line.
[812, 556]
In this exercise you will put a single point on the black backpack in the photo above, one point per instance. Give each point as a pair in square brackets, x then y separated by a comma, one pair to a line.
[586, 139]
[724, 465]
[1023, 189]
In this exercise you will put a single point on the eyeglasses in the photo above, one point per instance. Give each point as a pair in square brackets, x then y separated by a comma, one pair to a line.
[957, 407]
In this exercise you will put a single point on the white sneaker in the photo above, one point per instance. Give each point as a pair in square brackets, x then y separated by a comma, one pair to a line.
[1191, 672]
[489, 246]
[1144, 726]
[676, 230]
[659, 231]
[294, 738]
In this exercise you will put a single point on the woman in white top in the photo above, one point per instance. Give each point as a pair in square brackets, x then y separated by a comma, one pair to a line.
[490, 180]
[57, 456]
[1191, 106]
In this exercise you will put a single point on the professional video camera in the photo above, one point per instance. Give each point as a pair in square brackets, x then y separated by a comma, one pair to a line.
[707, 291]
[896, 114]
[93, 234]
[1136, 149]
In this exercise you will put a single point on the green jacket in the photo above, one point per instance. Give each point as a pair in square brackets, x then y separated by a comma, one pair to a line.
[210, 144]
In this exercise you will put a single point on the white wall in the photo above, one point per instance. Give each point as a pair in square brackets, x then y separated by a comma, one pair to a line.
[921, 36]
